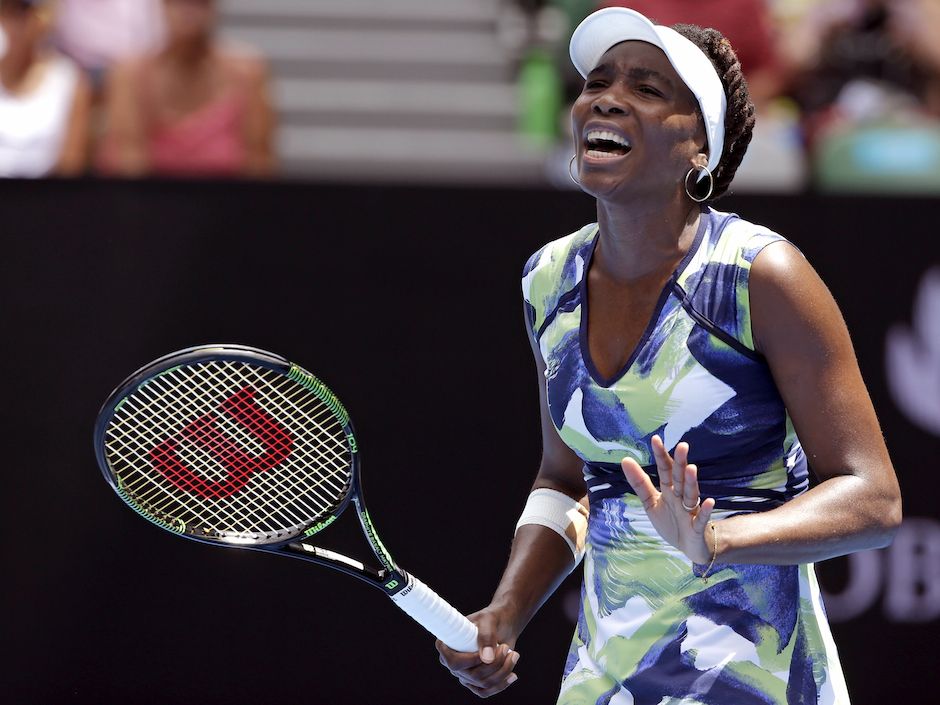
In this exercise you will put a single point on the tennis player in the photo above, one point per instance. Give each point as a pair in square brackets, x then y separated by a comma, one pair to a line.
[691, 367]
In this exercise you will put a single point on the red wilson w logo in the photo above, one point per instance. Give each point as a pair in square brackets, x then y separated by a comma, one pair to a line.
[240, 466]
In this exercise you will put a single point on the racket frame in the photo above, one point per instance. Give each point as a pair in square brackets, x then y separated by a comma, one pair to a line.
[389, 578]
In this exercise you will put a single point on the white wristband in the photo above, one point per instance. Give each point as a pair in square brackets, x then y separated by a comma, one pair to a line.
[560, 513]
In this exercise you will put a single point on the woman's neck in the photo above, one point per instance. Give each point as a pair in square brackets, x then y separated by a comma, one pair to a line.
[188, 53]
[640, 239]
[15, 67]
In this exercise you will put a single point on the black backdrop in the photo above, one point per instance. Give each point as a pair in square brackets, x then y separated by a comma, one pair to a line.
[406, 301]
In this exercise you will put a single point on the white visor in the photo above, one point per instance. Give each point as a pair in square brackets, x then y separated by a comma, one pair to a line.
[605, 28]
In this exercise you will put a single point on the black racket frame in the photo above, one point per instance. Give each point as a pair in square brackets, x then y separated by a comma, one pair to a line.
[389, 578]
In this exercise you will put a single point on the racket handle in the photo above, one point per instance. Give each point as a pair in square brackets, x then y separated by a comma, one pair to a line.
[436, 615]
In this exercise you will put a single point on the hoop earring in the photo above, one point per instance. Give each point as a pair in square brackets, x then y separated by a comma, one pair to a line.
[711, 184]
[570, 175]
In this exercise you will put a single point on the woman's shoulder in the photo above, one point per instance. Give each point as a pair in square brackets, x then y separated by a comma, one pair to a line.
[559, 264]
[561, 250]
[55, 60]
[555, 269]
[242, 61]
[132, 68]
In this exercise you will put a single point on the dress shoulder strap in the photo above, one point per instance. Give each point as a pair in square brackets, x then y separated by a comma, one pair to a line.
[716, 291]
[552, 274]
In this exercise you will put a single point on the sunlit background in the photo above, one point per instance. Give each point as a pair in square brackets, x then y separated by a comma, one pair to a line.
[357, 184]
[477, 91]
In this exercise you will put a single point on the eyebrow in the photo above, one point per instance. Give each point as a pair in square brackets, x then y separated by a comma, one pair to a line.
[637, 73]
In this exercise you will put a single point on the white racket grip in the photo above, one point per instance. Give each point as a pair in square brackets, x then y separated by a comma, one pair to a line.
[436, 615]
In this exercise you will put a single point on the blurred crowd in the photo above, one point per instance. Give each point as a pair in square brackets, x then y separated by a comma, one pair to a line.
[129, 88]
[847, 91]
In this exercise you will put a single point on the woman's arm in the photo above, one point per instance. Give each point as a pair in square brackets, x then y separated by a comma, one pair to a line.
[540, 559]
[857, 503]
[73, 157]
[125, 140]
[259, 120]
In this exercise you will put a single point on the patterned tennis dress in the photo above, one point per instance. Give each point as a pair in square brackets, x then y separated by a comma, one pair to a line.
[650, 630]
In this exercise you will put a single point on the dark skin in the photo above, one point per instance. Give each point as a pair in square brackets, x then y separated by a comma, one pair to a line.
[647, 224]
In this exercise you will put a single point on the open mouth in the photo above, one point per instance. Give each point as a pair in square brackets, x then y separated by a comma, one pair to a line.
[604, 144]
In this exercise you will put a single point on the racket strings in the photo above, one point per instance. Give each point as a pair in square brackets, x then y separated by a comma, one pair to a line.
[273, 497]
[145, 482]
[227, 448]
[326, 452]
[276, 445]
[271, 493]
[269, 497]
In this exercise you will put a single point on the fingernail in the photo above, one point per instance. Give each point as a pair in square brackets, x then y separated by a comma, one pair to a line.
[487, 655]
[512, 679]
[515, 657]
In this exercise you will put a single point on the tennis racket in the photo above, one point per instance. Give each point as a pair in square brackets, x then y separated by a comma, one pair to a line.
[234, 446]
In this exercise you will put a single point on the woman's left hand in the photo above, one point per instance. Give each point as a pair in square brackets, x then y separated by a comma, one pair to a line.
[678, 486]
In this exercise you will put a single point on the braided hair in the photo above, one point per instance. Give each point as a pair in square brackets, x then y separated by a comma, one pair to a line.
[739, 117]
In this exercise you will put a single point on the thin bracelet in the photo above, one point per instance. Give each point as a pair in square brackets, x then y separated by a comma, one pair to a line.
[711, 563]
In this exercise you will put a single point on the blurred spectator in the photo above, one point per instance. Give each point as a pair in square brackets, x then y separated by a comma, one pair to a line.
[99, 33]
[891, 44]
[44, 98]
[867, 78]
[195, 108]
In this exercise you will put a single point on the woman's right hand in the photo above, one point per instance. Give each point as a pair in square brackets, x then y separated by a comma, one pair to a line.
[489, 670]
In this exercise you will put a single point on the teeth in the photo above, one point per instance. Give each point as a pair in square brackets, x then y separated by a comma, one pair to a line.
[597, 154]
[607, 135]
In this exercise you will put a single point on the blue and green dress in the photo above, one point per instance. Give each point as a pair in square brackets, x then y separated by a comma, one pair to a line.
[651, 631]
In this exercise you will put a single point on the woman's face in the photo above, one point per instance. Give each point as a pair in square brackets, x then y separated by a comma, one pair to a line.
[189, 19]
[637, 127]
[22, 22]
